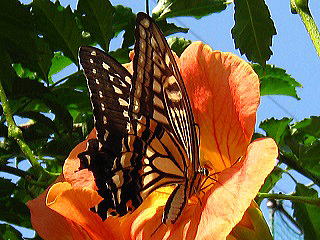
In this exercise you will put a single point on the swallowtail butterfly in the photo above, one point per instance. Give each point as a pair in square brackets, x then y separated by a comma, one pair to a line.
[146, 134]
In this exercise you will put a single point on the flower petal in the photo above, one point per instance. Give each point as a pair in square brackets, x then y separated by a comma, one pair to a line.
[224, 92]
[49, 224]
[75, 203]
[236, 187]
[71, 173]
[252, 226]
[145, 222]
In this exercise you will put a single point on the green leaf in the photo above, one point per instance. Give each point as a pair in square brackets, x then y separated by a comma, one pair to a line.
[275, 81]
[58, 27]
[124, 19]
[307, 215]
[20, 39]
[9, 233]
[6, 70]
[270, 182]
[170, 28]
[74, 101]
[27, 88]
[253, 30]
[43, 56]
[97, 19]
[309, 157]
[24, 72]
[7, 187]
[178, 45]
[276, 128]
[75, 81]
[309, 126]
[198, 9]
[59, 62]
[60, 147]
[15, 212]
[121, 54]
[39, 119]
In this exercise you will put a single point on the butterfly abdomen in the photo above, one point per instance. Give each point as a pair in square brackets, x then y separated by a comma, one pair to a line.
[175, 204]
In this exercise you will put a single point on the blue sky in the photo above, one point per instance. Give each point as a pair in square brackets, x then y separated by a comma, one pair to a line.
[292, 48]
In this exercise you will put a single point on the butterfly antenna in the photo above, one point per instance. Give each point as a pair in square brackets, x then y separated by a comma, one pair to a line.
[147, 7]
[213, 179]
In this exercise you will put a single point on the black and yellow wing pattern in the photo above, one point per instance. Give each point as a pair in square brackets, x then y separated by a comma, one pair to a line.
[146, 136]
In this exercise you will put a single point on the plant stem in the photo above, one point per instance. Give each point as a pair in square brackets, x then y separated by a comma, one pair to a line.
[14, 131]
[301, 7]
[300, 199]
[294, 164]
[15, 171]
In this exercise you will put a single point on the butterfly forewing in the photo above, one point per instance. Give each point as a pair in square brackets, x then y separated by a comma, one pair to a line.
[109, 86]
[158, 83]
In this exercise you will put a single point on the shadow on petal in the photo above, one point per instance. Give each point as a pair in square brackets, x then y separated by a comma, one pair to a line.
[224, 92]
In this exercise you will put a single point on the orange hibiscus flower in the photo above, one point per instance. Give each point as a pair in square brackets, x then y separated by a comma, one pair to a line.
[224, 92]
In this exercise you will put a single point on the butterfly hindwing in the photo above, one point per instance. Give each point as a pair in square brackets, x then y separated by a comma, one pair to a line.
[109, 86]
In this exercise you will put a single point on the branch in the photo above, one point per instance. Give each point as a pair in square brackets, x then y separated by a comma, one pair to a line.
[15, 171]
[15, 132]
[301, 7]
[296, 166]
[299, 199]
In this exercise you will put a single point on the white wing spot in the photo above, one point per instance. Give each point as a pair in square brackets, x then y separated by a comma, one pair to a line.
[104, 120]
[142, 44]
[167, 58]
[91, 60]
[146, 161]
[136, 106]
[123, 102]
[105, 135]
[105, 66]
[94, 71]
[153, 43]
[128, 79]
[111, 78]
[156, 71]
[142, 58]
[125, 114]
[142, 32]
[117, 90]
[93, 53]
[138, 89]
[145, 22]
[100, 94]
[157, 101]
[159, 117]
[97, 81]
[102, 107]
[156, 86]
[171, 80]
[149, 152]
[174, 96]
